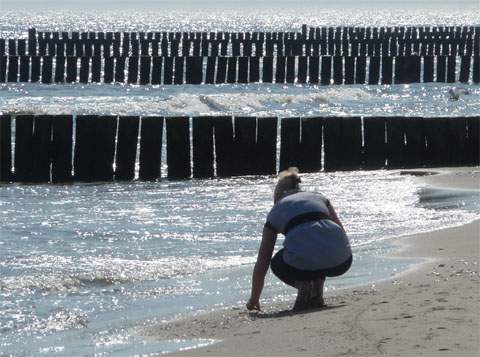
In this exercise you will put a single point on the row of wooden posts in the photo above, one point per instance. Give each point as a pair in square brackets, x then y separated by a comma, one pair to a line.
[208, 70]
[333, 41]
[90, 148]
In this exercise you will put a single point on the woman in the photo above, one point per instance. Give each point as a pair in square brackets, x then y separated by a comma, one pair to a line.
[315, 244]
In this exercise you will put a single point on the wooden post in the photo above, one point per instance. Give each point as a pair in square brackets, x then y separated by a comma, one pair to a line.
[71, 69]
[120, 69]
[428, 69]
[41, 149]
[290, 75]
[407, 69]
[221, 70]
[35, 75]
[3, 69]
[223, 127]
[243, 70]
[350, 70]
[266, 147]
[415, 148]
[254, 66]
[374, 142]
[151, 148]
[84, 69]
[395, 147]
[145, 64]
[457, 141]
[96, 69]
[387, 70]
[302, 69]
[126, 148]
[326, 71]
[5, 148]
[437, 151]
[343, 143]
[313, 69]
[244, 149]
[473, 143]
[361, 70]
[24, 69]
[32, 42]
[290, 150]
[232, 70]
[47, 64]
[167, 70]
[94, 148]
[61, 145]
[178, 148]
[179, 66]
[280, 70]
[337, 70]
[451, 67]
[132, 70]
[267, 75]
[202, 140]
[156, 70]
[310, 159]
[210, 75]
[441, 68]
[465, 69]
[374, 70]
[23, 148]
[12, 47]
[194, 70]
[108, 75]
[476, 69]
[12, 69]
[59, 69]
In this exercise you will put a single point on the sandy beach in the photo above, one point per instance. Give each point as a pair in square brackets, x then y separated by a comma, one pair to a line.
[430, 310]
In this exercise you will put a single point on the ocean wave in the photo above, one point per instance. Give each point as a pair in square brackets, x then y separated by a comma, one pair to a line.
[95, 272]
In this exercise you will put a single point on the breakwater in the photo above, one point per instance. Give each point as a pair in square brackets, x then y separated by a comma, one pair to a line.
[90, 148]
[326, 55]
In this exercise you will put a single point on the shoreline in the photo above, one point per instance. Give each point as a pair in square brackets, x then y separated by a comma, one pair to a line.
[430, 308]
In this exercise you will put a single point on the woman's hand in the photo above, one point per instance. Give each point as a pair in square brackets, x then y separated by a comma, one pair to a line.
[253, 305]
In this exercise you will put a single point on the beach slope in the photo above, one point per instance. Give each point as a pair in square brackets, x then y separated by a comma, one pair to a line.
[430, 310]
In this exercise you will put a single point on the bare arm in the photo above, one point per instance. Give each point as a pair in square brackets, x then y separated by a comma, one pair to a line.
[333, 215]
[265, 252]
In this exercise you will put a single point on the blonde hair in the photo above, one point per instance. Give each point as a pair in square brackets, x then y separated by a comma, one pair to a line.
[288, 180]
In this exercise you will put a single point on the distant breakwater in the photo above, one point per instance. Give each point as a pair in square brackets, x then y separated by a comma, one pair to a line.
[326, 55]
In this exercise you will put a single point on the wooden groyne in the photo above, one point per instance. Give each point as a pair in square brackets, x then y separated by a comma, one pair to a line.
[89, 148]
[327, 55]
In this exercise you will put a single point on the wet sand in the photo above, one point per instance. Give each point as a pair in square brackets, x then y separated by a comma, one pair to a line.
[430, 310]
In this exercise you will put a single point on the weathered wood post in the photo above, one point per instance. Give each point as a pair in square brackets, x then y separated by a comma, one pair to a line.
[266, 147]
[94, 148]
[342, 143]
[5, 148]
[244, 148]
[202, 140]
[290, 149]
[62, 144]
[151, 148]
[374, 149]
[127, 140]
[224, 145]
[178, 148]
[23, 148]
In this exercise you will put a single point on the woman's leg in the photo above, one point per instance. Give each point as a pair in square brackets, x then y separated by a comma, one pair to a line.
[304, 295]
[317, 298]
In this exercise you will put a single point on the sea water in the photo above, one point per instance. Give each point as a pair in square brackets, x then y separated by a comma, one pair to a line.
[84, 266]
